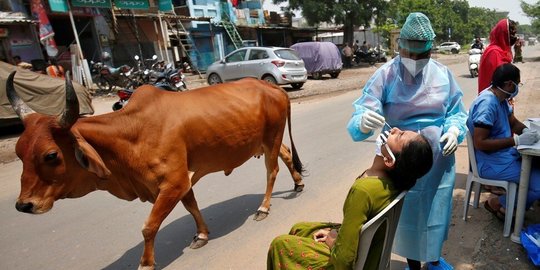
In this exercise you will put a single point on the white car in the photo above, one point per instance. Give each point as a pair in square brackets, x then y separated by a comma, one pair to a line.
[273, 64]
[450, 46]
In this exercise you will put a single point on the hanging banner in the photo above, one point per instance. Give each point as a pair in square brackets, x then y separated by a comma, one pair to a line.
[46, 32]
[91, 3]
[58, 5]
[132, 4]
[165, 5]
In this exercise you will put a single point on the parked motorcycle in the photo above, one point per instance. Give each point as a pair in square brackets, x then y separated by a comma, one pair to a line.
[367, 57]
[124, 95]
[167, 78]
[106, 77]
[474, 61]
[171, 79]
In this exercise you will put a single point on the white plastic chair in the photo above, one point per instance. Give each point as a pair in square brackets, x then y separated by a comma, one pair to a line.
[511, 188]
[389, 216]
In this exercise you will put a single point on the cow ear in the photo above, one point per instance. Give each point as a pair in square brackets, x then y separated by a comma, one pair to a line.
[89, 159]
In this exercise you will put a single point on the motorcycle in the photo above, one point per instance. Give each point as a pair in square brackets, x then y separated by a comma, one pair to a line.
[367, 57]
[124, 95]
[170, 79]
[106, 77]
[474, 61]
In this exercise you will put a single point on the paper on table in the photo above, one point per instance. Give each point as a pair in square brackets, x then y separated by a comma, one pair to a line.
[532, 146]
[535, 146]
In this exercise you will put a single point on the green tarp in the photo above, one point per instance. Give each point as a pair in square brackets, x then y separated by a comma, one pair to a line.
[42, 93]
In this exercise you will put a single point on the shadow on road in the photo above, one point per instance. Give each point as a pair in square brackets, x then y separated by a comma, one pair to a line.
[222, 218]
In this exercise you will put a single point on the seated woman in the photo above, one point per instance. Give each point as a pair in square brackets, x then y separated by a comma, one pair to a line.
[406, 157]
[495, 131]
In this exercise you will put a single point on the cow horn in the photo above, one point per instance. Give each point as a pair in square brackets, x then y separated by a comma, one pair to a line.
[71, 111]
[18, 105]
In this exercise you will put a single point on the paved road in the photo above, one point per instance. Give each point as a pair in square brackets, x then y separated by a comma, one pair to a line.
[102, 232]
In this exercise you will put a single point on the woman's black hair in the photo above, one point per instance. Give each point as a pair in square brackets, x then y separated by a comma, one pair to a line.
[503, 73]
[414, 161]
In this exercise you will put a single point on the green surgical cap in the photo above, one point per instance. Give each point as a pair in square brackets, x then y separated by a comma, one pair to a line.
[416, 34]
[417, 27]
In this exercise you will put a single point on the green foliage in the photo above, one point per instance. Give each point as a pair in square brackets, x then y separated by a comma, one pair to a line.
[464, 22]
[533, 11]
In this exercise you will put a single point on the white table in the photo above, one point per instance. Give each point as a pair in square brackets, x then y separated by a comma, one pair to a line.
[526, 159]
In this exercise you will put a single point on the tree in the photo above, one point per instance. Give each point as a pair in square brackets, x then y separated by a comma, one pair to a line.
[349, 13]
[533, 11]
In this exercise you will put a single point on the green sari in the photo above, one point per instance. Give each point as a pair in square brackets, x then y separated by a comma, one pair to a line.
[298, 250]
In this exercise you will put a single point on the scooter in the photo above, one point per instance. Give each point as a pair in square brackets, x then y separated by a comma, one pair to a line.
[474, 61]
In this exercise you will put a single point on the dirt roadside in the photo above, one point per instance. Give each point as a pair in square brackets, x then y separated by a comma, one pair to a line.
[475, 244]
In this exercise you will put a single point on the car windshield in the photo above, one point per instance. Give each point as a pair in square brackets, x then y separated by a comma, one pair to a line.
[287, 54]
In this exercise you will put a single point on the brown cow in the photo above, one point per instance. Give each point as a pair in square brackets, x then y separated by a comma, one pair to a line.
[154, 149]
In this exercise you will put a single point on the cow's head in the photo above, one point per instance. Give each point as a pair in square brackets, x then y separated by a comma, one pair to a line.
[52, 154]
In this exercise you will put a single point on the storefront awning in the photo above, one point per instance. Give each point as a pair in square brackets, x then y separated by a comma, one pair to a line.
[10, 18]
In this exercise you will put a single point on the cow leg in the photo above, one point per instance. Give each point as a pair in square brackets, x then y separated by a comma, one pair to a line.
[286, 157]
[201, 238]
[272, 170]
[164, 204]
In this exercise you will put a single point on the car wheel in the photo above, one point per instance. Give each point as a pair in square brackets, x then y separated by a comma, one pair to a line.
[297, 85]
[454, 51]
[316, 76]
[334, 74]
[270, 79]
[214, 79]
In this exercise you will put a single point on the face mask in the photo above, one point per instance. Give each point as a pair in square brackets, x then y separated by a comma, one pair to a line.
[382, 140]
[414, 66]
[511, 95]
[379, 142]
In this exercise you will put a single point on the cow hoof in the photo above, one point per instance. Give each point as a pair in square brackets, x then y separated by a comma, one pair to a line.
[260, 215]
[299, 187]
[198, 242]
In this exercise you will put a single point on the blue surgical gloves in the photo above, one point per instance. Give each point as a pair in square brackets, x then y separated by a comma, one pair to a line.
[527, 137]
[370, 121]
[451, 139]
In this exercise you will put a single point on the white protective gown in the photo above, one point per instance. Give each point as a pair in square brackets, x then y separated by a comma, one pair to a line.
[429, 103]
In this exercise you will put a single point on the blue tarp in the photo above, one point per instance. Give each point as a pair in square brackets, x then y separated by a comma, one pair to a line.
[319, 56]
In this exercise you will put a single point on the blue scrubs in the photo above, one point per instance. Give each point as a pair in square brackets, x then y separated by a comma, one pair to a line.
[430, 103]
[504, 164]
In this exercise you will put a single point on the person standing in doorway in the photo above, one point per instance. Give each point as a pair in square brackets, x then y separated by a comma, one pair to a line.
[415, 92]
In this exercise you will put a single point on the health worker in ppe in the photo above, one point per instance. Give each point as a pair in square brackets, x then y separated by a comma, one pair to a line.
[495, 131]
[415, 92]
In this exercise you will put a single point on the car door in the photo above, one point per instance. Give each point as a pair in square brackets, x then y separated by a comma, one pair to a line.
[257, 63]
[233, 68]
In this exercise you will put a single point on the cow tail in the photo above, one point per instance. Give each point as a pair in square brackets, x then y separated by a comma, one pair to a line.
[297, 164]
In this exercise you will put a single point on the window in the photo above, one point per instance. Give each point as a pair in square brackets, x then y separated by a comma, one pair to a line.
[258, 54]
[236, 57]
[287, 54]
